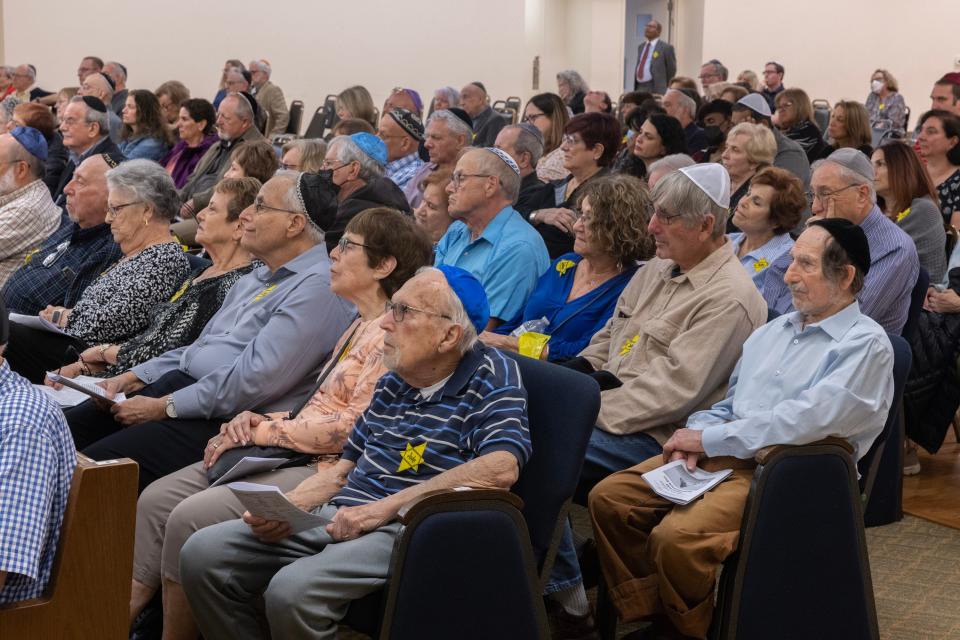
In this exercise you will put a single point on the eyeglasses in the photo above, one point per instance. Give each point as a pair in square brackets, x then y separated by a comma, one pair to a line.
[400, 310]
[73, 121]
[823, 195]
[570, 140]
[115, 209]
[289, 167]
[343, 244]
[784, 105]
[328, 165]
[664, 217]
[459, 177]
[532, 118]
[259, 207]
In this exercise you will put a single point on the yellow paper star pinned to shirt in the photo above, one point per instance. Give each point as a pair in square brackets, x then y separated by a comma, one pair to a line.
[563, 265]
[628, 345]
[760, 265]
[656, 54]
[412, 457]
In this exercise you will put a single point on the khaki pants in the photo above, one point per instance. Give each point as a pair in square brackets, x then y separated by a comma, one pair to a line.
[662, 558]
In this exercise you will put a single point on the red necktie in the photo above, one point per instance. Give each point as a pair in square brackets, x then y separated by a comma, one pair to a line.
[643, 61]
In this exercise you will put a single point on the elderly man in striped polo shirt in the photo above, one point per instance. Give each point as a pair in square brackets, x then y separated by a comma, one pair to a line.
[399, 449]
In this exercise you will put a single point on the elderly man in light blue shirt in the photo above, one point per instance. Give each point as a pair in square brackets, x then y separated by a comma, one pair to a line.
[489, 238]
[262, 350]
[824, 370]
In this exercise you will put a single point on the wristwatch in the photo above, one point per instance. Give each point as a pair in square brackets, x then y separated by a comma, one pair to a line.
[170, 409]
[532, 217]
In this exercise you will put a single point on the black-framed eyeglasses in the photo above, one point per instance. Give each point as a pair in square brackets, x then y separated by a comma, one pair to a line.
[459, 177]
[532, 118]
[400, 309]
[823, 195]
[259, 207]
[664, 217]
[115, 209]
[343, 244]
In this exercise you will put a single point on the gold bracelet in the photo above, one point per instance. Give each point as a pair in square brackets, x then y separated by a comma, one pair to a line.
[102, 349]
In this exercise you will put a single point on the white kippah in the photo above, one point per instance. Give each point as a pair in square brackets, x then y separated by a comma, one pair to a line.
[712, 179]
[503, 155]
[756, 102]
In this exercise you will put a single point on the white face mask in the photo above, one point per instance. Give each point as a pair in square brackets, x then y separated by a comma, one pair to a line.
[876, 86]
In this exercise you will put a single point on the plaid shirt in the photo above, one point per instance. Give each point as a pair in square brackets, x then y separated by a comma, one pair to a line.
[27, 217]
[401, 170]
[58, 272]
[37, 459]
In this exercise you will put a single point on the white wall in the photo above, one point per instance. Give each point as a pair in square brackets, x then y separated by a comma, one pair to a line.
[316, 47]
[831, 47]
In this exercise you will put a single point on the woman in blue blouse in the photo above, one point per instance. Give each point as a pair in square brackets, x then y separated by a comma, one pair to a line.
[579, 291]
[144, 134]
[765, 215]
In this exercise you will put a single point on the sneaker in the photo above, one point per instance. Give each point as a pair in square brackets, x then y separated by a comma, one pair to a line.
[566, 626]
[911, 461]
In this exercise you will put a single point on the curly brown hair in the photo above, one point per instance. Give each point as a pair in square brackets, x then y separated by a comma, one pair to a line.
[387, 232]
[620, 211]
[788, 202]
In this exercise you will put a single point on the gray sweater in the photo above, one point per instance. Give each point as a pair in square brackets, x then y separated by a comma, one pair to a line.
[925, 225]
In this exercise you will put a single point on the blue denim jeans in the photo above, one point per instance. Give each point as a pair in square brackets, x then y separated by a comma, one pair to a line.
[606, 453]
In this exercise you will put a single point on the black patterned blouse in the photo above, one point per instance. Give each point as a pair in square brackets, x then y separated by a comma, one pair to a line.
[179, 321]
[118, 304]
[949, 192]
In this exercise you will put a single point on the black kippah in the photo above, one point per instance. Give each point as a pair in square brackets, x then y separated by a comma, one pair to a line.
[849, 236]
[463, 115]
[318, 197]
[408, 122]
[95, 103]
[113, 85]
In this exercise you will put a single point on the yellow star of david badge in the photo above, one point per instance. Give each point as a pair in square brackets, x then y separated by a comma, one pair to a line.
[412, 457]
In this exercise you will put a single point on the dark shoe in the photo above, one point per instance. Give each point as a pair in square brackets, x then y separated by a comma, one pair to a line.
[566, 626]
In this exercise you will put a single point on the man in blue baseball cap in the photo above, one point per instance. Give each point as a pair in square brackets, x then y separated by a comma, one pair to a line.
[439, 374]
[27, 212]
[357, 164]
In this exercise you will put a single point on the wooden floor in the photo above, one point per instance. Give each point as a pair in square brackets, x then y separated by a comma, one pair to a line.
[934, 494]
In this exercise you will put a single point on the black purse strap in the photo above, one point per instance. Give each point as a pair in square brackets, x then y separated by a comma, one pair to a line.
[326, 371]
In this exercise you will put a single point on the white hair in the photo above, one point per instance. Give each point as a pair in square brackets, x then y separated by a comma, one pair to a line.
[686, 102]
[293, 202]
[346, 150]
[457, 312]
[456, 126]
[679, 194]
[261, 65]
[671, 163]
[848, 175]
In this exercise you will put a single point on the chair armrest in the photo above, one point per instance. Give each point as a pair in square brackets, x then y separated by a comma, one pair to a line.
[763, 455]
[434, 500]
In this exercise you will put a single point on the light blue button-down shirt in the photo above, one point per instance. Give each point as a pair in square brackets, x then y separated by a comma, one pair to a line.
[264, 348]
[768, 253]
[796, 385]
[507, 258]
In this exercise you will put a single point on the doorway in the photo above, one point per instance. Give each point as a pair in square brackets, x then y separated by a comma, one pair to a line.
[638, 14]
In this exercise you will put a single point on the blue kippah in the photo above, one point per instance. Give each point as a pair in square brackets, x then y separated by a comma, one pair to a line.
[471, 294]
[31, 140]
[371, 145]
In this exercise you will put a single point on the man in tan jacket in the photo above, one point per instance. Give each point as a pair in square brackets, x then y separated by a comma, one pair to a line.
[270, 98]
[669, 348]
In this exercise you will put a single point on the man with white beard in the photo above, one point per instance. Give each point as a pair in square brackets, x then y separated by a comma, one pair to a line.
[27, 212]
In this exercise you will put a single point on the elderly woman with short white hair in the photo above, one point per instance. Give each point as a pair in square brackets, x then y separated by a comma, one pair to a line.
[118, 305]
[749, 148]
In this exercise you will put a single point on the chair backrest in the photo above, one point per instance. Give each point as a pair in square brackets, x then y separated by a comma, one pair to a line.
[802, 566]
[89, 592]
[316, 127]
[196, 262]
[296, 117]
[562, 406]
[821, 113]
[906, 118]
[917, 296]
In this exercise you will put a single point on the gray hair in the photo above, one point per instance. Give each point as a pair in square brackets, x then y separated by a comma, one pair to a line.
[848, 175]
[261, 65]
[35, 164]
[527, 142]
[92, 116]
[9, 70]
[574, 79]
[678, 194]
[346, 150]
[493, 165]
[451, 94]
[454, 308]
[30, 70]
[118, 70]
[671, 163]
[292, 201]
[150, 183]
[244, 108]
[6, 108]
[456, 126]
[312, 151]
[686, 102]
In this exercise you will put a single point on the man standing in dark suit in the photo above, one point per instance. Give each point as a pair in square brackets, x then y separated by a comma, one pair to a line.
[656, 62]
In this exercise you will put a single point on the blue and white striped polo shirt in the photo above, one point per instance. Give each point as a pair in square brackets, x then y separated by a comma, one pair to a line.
[403, 439]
